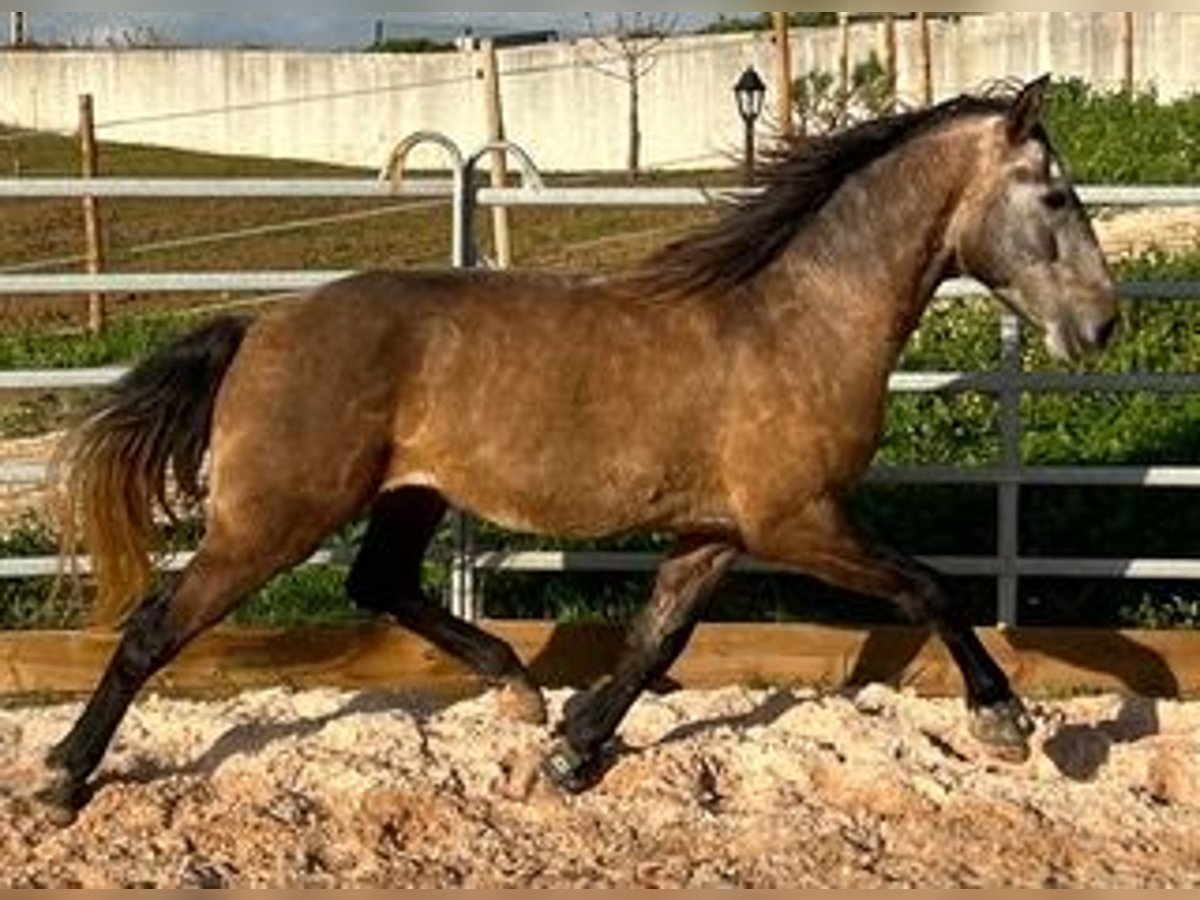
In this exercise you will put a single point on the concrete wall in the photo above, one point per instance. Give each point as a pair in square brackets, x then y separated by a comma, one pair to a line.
[351, 108]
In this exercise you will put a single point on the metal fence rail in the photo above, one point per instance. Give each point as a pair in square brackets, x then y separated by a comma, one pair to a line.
[1008, 383]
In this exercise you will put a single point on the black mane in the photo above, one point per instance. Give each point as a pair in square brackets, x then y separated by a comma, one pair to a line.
[798, 178]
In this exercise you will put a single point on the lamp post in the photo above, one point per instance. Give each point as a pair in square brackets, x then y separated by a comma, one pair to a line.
[751, 94]
[18, 29]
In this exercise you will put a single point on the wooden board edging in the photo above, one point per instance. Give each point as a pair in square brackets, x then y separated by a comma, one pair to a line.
[1045, 662]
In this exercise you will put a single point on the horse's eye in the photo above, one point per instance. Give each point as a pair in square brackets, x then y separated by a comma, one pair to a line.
[1055, 200]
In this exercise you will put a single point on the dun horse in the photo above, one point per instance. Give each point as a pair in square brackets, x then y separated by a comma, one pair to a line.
[727, 392]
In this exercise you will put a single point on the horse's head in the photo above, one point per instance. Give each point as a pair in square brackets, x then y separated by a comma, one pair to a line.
[1022, 231]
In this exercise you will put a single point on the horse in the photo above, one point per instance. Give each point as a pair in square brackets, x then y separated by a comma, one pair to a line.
[727, 392]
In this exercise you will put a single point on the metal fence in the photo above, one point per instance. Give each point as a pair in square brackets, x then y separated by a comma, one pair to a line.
[1007, 384]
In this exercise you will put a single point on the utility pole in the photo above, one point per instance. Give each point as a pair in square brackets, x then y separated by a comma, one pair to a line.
[18, 29]
[783, 75]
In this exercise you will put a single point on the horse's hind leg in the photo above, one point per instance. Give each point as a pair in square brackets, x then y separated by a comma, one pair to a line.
[685, 581]
[217, 579]
[258, 525]
[386, 578]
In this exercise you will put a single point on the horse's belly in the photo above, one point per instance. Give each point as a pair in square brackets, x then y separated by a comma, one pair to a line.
[571, 506]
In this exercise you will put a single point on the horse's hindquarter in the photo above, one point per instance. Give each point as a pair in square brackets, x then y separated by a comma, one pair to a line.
[304, 415]
[557, 406]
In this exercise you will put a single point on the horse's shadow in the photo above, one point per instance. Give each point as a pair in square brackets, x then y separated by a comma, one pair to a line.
[250, 738]
[1079, 752]
[888, 654]
[888, 657]
[778, 704]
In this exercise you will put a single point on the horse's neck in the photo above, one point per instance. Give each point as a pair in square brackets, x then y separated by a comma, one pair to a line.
[869, 264]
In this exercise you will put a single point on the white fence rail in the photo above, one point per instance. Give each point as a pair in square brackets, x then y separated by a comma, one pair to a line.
[1008, 383]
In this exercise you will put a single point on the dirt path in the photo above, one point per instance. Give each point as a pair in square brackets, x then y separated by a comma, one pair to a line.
[727, 789]
[1134, 232]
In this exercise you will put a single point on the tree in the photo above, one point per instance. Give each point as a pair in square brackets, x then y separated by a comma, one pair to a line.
[724, 24]
[824, 106]
[629, 54]
[762, 22]
[116, 37]
[412, 45]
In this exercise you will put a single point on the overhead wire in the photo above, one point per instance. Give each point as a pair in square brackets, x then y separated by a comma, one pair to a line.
[223, 236]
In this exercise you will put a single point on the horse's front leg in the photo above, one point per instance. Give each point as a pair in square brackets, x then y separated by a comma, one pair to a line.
[826, 547]
[685, 581]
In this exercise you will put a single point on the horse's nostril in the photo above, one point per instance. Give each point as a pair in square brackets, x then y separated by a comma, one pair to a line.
[1106, 332]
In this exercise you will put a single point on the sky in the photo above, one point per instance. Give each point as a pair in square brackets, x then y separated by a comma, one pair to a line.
[317, 30]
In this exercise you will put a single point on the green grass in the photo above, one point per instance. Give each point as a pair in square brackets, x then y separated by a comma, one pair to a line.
[1112, 139]
[128, 340]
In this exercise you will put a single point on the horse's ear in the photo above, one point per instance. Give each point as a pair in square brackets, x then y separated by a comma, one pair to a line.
[1026, 110]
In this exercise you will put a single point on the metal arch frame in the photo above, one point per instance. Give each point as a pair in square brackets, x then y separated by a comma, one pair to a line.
[393, 174]
[463, 595]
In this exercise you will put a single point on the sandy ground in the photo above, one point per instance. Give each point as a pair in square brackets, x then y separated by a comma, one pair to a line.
[734, 788]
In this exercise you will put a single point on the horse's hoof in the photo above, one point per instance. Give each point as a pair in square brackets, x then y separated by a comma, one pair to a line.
[61, 800]
[1004, 729]
[520, 701]
[568, 770]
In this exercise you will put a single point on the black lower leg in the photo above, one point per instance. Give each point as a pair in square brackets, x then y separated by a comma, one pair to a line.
[146, 646]
[593, 718]
[488, 656]
[657, 639]
[386, 578]
[998, 718]
[985, 682]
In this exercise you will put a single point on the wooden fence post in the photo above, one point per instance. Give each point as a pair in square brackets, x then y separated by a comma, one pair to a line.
[93, 230]
[890, 64]
[501, 233]
[925, 41]
[785, 90]
[844, 85]
[1128, 24]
